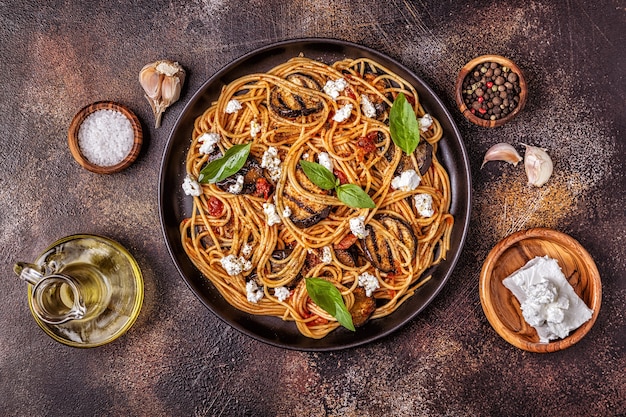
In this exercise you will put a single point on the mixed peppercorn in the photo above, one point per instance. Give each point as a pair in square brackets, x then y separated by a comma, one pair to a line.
[491, 91]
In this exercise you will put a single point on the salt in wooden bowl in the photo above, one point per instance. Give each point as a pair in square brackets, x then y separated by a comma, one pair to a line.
[501, 307]
[468, 68]
[74, 144]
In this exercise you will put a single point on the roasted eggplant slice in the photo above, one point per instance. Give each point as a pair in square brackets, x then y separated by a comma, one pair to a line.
[276, 266]
[289, 104]
[377, 247]
[251, 172]
[278, 255]
[362, 308]
[423, 155]
[304, 213]
[346, 257]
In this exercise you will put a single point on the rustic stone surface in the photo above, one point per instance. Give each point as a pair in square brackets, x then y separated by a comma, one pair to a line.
[180, 360]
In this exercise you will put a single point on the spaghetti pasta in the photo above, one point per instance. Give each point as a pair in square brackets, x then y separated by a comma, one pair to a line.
[258, 233]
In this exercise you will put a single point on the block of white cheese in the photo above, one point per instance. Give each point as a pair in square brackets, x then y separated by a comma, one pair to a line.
[548, 301]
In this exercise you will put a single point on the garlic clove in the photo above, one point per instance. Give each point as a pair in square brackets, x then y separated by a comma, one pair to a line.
[162, 82]
[170, 90]
[502, 152]
[150, 80]
[538, 165]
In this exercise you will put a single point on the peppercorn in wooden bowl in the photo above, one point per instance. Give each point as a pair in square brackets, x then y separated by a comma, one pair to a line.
[105, 137]
[503, 309]
[490, 90]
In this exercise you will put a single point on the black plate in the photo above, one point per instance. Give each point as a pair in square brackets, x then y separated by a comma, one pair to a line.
[175, 205]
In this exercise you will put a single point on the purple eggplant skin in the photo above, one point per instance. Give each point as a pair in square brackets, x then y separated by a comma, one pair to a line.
[304, 213]
[362, 308]
[346, 256]
[278, 267]
[291, 105]
[378, 249]
[423, 155]
[251, 172]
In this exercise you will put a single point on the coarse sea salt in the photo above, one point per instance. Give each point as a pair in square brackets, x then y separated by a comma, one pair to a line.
[106, 137]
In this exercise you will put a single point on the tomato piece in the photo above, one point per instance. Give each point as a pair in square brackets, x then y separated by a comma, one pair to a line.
[346, 242]
[367, 144]
[215, 207]
[263, 188]
[349, 93]
[343, 179]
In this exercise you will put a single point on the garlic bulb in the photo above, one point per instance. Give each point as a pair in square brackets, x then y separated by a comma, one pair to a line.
[162, 82]
[502, 152]
[538, 165]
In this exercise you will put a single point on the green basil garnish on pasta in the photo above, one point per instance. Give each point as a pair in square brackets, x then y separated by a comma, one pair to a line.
[229, 164]
[403, 125]
[327, 296]
[319, 175]
[353, 196]
[349, 194]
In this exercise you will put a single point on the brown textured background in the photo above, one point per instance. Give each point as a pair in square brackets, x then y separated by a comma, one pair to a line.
[180, 360]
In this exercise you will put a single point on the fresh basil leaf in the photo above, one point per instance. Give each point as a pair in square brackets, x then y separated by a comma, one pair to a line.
[352, 195]
[403, 125]
[232, 161]
[327, 296]
[319, 175]
[342, 315]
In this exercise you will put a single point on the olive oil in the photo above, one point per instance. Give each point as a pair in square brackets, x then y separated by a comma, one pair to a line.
[94, 288]
[56, 298]
[109, 283]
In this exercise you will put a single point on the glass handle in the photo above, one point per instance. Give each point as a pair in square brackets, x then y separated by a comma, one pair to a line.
[28, 272]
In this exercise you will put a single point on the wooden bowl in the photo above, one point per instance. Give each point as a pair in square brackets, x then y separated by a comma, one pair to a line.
[468, 68]
[502, 308]
[75, 126]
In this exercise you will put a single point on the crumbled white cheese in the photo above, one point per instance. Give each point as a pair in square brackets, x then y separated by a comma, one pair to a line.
[327, 255]
[286, 212]
[255, 128]
[333, 88]
[305, 155]
[357, 227]
[407, 181]
[425, 122]
[367, 107]
[424, 205]
[254, 293]
[246, 250]
[281, 293]
[235, 265]
[233, 106]
[324, 160]
[271, 162]
[270, 211]
[343, 113]
[208, 141]
[548, 301]
[544, 304]
[369, 282]
[191, 187]
[237, 186]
